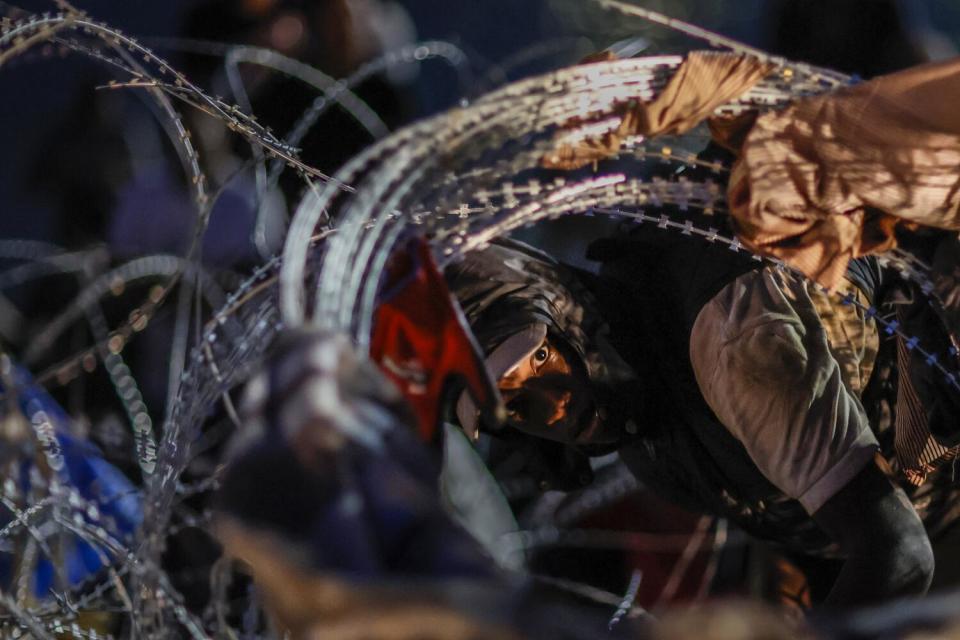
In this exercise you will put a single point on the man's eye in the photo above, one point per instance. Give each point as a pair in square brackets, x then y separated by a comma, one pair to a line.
[541, 354]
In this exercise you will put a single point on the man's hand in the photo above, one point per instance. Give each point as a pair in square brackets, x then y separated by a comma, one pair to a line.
[887, 549]
[317, 394]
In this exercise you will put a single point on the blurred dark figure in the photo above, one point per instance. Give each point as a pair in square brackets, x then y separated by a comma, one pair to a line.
[107, 170]
[108, 174]
[334, 36]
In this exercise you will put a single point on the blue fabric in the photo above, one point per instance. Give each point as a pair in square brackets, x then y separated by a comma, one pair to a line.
[84, 469]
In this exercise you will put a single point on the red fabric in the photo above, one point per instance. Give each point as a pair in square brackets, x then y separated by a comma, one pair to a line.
[422, 342]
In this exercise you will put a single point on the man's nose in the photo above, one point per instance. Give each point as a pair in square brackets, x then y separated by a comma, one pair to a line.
[510, 382]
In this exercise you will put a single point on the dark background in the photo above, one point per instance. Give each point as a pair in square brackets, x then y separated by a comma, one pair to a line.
[865, 37]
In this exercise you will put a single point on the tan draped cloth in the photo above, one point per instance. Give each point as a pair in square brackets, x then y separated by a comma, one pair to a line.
[820, 182]
[827, 179]
[704, 81]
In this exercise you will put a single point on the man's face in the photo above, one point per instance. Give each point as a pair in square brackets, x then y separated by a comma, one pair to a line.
[547, 397]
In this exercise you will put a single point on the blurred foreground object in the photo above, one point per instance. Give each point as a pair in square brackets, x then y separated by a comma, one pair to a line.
[330, 499]
[333, 503]
[422, 342]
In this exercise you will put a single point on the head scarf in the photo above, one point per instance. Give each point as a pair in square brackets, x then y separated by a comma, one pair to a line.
[510, 289]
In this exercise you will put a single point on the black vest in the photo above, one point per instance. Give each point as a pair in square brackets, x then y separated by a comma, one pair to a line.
[652, 285]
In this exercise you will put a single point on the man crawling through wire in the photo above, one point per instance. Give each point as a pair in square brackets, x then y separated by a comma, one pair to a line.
[732, 388]
[727, 385]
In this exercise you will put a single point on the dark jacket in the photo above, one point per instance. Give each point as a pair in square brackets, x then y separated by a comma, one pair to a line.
[631, 324]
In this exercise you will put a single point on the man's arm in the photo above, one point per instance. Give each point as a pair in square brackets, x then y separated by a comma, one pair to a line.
[887, 549]
[763, 360]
